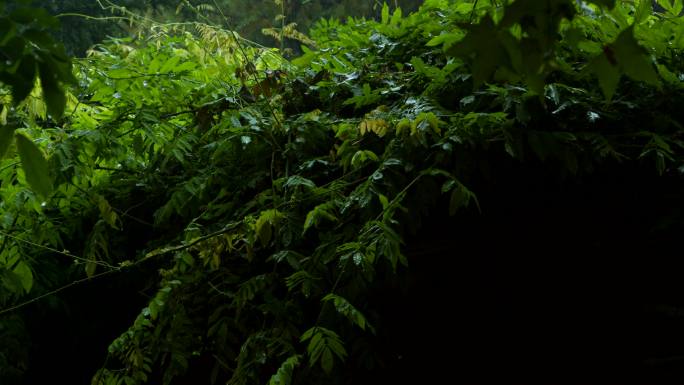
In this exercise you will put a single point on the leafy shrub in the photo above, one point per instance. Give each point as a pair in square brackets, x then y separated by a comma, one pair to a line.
[274, 199]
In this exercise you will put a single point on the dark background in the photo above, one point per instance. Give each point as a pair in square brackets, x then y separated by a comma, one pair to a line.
[557, 281]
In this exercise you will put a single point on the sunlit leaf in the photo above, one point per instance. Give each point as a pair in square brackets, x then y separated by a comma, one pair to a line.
[634, 59]
[643, 11]
[608, 74]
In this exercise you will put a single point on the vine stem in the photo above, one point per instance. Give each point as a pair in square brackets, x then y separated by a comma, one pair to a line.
[55, 291]
[65, 253]
[115, 269]
[282, 26]
[472, 13]
[227, 228]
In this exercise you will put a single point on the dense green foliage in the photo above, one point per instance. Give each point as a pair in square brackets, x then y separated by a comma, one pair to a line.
[267, 204]
[85, 23]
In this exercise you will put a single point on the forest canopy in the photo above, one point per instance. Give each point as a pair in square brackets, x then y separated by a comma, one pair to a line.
[184, 204]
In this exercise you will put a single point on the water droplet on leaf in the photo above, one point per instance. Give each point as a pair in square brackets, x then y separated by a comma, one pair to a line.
[592, 116]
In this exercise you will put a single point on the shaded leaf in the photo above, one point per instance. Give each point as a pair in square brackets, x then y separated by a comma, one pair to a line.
[35, 166]
[25, 276]
[6, 138]
[52, 91]
[605, 3]
[348, 310]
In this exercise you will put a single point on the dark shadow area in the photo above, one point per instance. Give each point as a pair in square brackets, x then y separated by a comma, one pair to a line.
[70, 332]
[557, 281]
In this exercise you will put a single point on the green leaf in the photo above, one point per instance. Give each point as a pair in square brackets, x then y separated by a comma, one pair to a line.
[321, 211]
[170, 65]
[24, 274]
[384, 201]
[97, 247]
[120, 73]
[297, 180]
[52, 91]
[155, 64]
[327, 361]
[264, 225]
[310, 220]
[348, 310]
[643, 11]
[483, 48]
[448, 185]
[107, 212]
[6, 138]
[461, 197]
[358, 159]
[11, 281]
[626, 56]
[35, 166]
[90, 267]
[677, 7]
[385, 14]
[187, 66]
[634, 59]
[323, 343]
[447, 39]
[665, 4]
[396, 17]
[284, 374]
[608, 75]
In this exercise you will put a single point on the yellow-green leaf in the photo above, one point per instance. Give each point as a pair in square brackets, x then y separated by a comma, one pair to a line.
[263, 230]
[266, 223]
[396, 17]
[107, 212]
[3, 115]
[385, 14]
[170, 65]
[90, 267]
